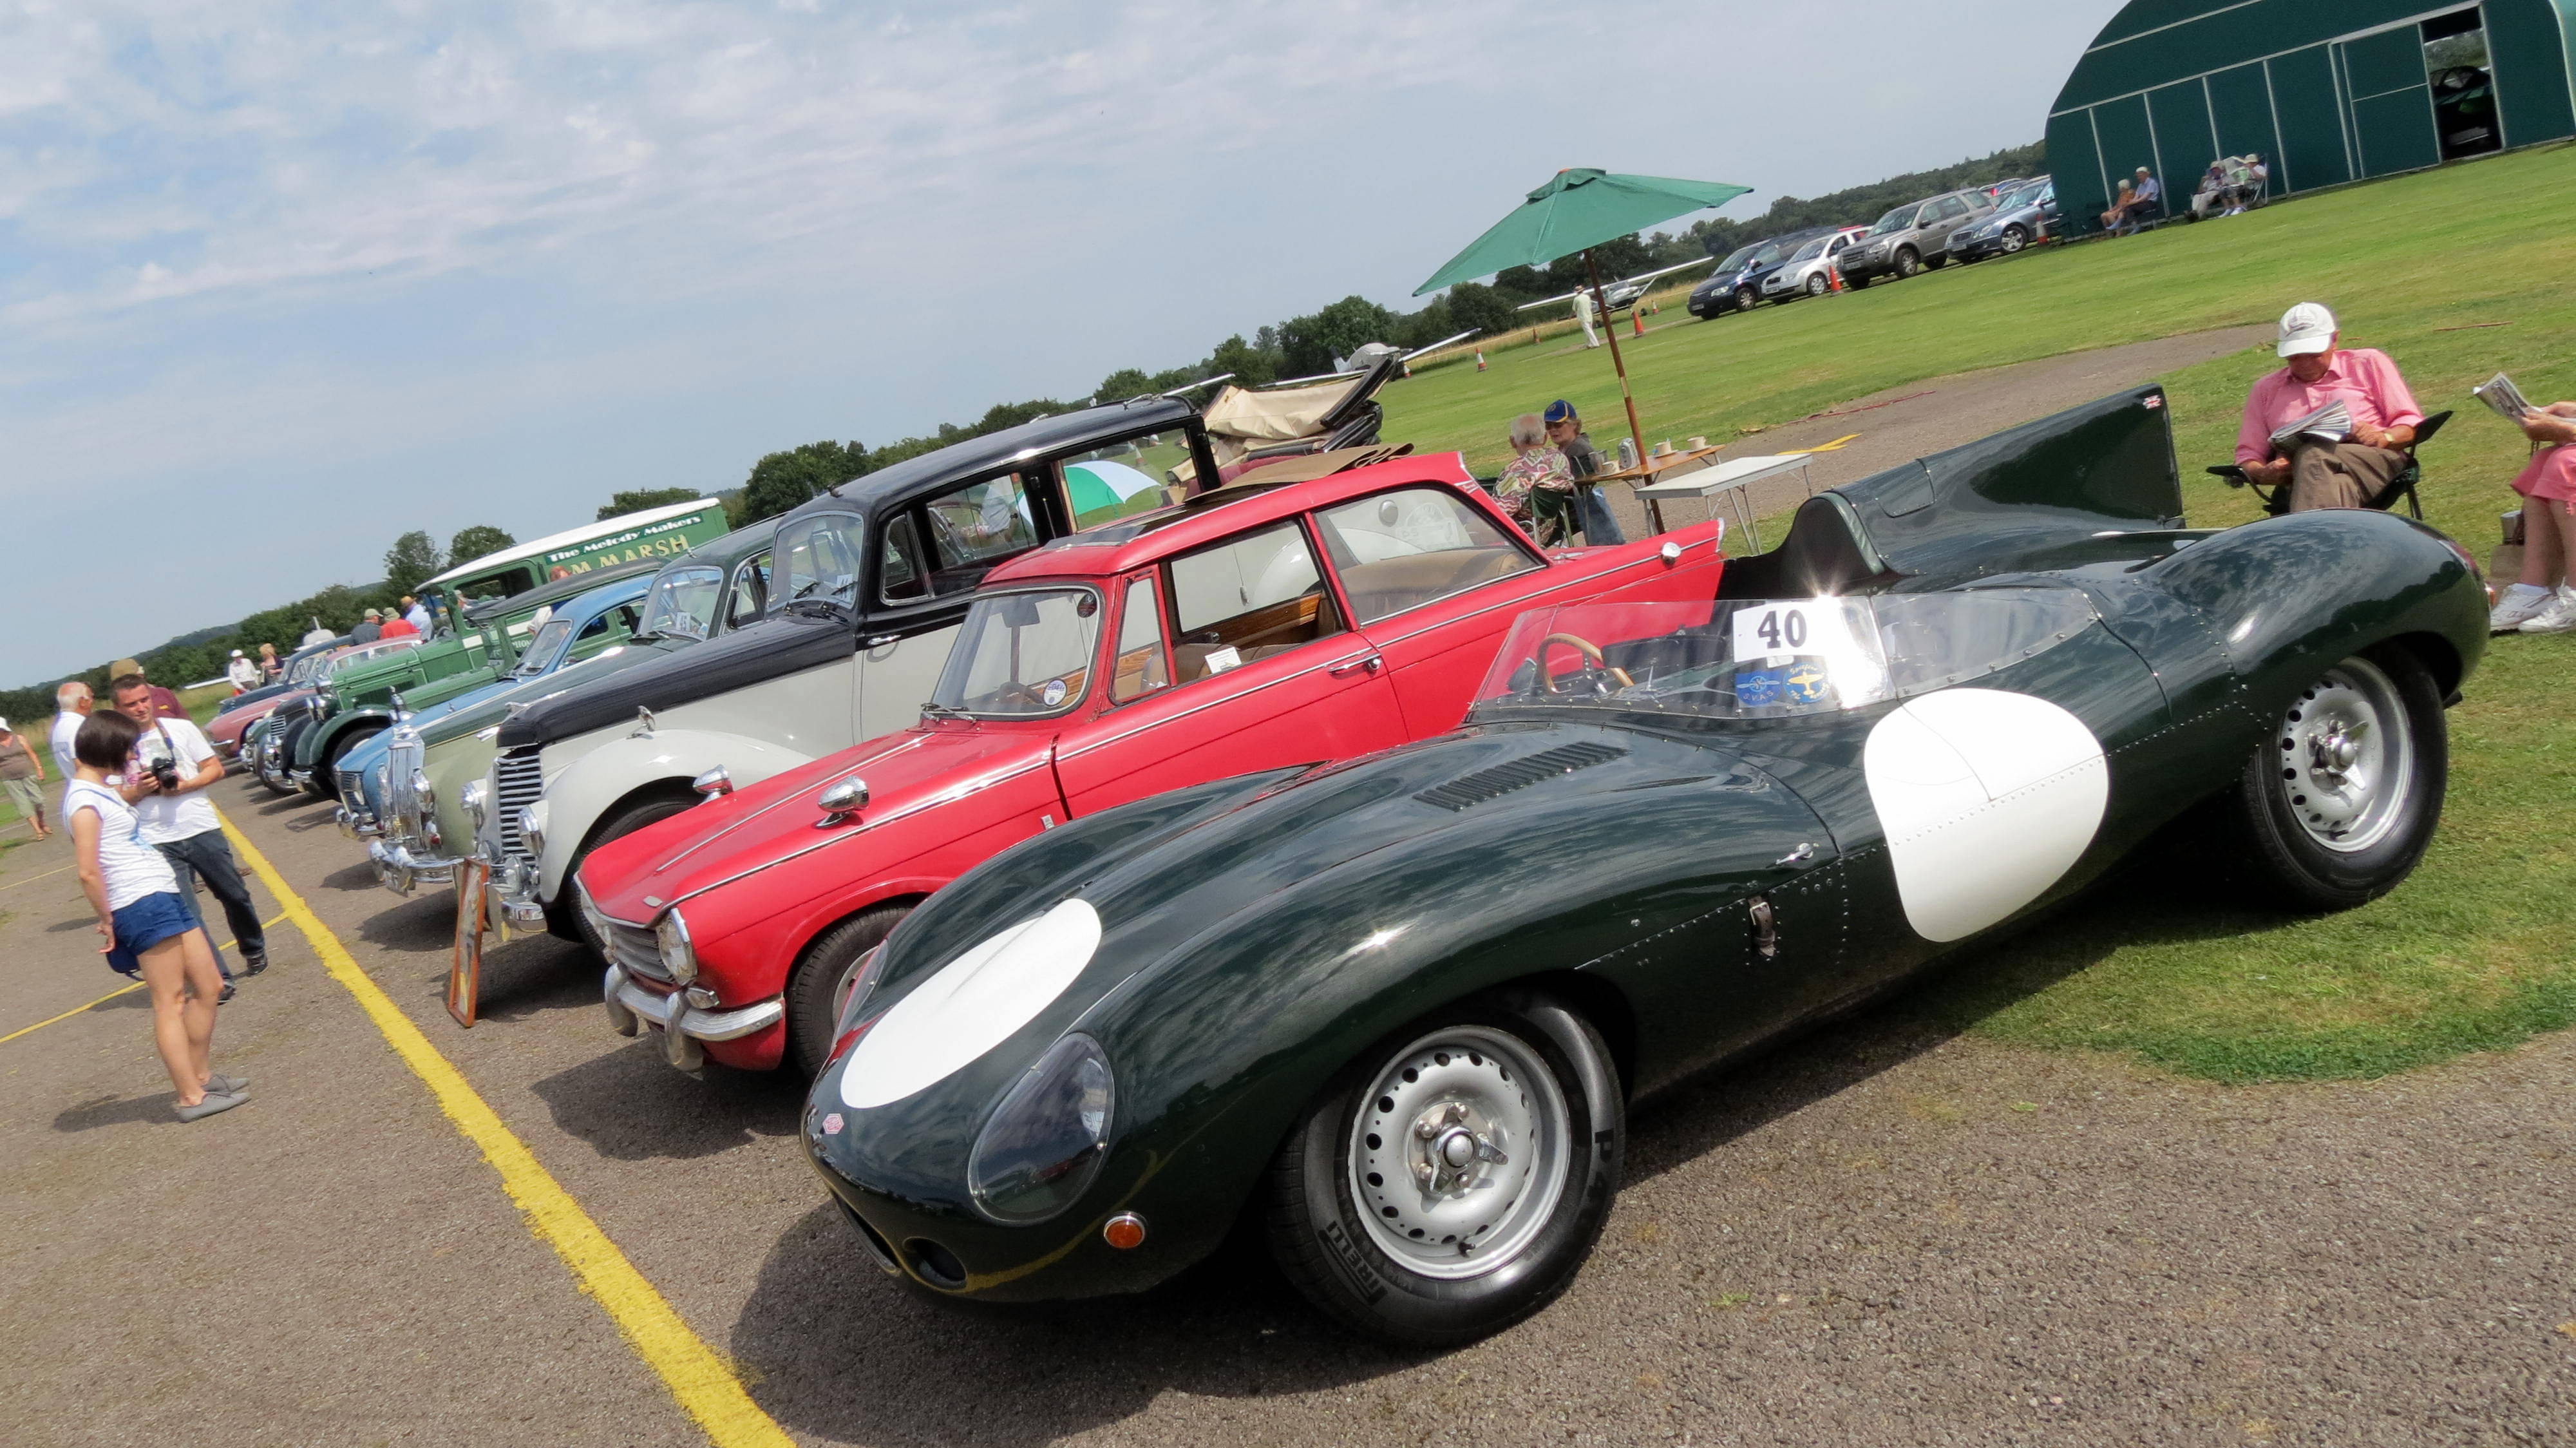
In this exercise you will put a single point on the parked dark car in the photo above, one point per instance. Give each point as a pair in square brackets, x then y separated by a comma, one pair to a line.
[2021, 217]
[1395, 1010]
[1737, 283]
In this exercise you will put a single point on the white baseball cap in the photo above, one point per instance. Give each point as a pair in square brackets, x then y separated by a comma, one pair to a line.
[4, 726]
[2307, 327]
[237, 653]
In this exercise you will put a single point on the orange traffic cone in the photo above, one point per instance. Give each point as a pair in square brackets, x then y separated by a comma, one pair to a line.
[1480, 361]
[1637, 321]
[1834, 274]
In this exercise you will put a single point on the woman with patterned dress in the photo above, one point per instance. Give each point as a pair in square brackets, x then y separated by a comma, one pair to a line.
[1537, 489]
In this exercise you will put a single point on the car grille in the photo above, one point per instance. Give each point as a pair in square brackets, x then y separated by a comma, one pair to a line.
[637, 949]
[403, 806]
[516, 784]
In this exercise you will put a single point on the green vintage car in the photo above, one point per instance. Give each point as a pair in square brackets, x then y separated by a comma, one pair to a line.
[1397, 1009]
[419, 816]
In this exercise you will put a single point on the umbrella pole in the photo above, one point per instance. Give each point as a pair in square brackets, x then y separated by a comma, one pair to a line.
[1600, 305]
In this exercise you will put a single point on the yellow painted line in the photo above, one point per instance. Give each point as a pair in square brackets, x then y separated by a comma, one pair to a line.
[705, 1387]
[67, 1015]
[1835, 446]
[31, 879]
[103, 1000]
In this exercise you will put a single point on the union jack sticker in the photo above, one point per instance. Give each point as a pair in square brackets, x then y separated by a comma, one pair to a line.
[2155, 401]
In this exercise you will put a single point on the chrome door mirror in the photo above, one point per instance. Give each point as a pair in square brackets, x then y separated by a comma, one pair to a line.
[841, 800]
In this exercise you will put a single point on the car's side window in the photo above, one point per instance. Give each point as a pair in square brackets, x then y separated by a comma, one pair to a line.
[969, 530]
[1247, 599]
[899, 561]
[750, 592]
[1404, 549]
[1143, 664]
[1121, 478]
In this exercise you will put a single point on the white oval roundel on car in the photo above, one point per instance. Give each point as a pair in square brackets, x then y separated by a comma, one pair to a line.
[1987, 797]
[971, 1005]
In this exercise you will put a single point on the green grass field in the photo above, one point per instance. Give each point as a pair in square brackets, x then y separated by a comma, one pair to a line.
[2458, 274]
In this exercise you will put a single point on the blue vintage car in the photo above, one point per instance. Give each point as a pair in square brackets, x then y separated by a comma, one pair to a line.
[595, 621]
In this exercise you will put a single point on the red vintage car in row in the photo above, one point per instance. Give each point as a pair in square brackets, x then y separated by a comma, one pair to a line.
[1252, 627]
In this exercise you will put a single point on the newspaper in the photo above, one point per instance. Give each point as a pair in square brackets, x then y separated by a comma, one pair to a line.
[2499, 393]
[2330, 423]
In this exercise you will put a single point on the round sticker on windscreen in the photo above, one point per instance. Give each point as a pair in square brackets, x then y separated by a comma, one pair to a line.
[1053, 693]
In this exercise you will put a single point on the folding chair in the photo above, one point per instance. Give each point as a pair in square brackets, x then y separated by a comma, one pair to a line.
[2276, 498]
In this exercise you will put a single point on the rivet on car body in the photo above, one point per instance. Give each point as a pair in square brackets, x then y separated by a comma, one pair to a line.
[1125, 1231]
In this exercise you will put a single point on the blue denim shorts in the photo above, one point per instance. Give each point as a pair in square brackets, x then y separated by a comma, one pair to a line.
[144, 924]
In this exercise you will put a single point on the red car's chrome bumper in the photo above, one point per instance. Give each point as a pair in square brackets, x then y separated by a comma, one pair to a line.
[750, 1038]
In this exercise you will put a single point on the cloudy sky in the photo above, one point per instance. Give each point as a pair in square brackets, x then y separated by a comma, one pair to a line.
[279, 280]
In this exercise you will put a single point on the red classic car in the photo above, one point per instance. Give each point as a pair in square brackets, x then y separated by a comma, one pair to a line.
[1249, 628]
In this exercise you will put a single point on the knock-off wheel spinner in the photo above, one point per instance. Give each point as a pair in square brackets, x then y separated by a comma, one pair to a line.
[2347, 757]
[1460, 1152]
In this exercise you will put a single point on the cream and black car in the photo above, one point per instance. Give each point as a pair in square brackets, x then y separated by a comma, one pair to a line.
[868, 585]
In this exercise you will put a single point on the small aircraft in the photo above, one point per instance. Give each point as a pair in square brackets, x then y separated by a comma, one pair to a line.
[1621, 293]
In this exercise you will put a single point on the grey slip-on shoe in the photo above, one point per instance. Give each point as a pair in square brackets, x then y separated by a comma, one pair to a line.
[215, 1101]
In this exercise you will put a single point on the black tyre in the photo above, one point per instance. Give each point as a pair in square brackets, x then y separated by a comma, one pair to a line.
[821, 983]
[1454, 1179]
[327, 774]
[1854, 281]
[2337, 806]
[1907, 262]
[2015, 238]
[619, 825]
[1818, 285]
[1745, 297]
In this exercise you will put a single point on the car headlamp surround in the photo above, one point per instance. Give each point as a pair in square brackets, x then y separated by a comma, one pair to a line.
[532, 828]
[1044, 1143]
[679, 953]
[475, 798]
[590, 911]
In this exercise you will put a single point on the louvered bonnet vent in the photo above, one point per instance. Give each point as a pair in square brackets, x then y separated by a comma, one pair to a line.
[1502, 779]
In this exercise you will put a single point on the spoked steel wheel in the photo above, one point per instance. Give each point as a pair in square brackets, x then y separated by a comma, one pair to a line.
[2346, 758]
[1453, 1178]
[1460, 1152]
[2340, 799]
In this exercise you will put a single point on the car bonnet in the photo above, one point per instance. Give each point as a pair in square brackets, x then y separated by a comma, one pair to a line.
[729, 843]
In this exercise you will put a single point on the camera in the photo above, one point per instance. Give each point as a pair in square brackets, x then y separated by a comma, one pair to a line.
[166, 773]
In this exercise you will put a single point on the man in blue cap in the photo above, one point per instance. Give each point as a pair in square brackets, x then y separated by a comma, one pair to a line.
[1591, 510]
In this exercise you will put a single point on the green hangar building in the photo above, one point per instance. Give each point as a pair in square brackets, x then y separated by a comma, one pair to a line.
[2327, 91]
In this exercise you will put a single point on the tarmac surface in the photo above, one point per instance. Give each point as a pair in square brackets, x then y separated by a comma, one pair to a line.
[1881, 1234]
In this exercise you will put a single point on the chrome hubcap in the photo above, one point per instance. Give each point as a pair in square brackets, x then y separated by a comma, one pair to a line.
[2346, 765]
[1459, 1153]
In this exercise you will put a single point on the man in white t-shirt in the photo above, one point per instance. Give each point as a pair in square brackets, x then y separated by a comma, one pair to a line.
[242, 672]
[173, 766]
[71, 706]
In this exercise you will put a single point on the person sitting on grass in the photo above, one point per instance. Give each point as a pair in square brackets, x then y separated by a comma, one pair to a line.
[2322, 472]
[149, 932]
[2544, 601]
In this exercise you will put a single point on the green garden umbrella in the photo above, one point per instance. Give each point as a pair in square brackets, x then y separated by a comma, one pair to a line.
[1576, 211]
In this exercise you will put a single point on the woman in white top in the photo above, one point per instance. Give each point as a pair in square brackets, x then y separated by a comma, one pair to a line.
[148, 927]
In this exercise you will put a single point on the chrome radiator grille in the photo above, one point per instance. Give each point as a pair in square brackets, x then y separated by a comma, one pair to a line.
[516, 784]
[637, 949]
[403, 805]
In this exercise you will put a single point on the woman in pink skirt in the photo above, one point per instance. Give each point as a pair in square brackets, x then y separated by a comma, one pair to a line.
[2544, 601]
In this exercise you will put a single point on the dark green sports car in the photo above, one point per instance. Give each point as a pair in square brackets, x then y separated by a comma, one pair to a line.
[1398, 1007]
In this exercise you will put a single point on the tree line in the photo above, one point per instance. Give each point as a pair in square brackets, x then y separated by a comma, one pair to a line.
[1300, 346]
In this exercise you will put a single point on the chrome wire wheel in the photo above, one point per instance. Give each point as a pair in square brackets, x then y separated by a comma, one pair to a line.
[2347, 756]
[1460, 1152]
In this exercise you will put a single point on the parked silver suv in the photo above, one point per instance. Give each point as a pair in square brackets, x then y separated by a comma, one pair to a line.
[1912, 237]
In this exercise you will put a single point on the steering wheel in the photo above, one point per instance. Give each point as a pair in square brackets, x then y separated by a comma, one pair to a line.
[1587, 649]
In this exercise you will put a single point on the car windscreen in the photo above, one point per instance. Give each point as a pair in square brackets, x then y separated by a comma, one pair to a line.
[1019, 654]
[1772, 658]
[683, 602]
[1897, 220]
[1737, 259]
[817, 557]
[547, 649]
[1813, 249]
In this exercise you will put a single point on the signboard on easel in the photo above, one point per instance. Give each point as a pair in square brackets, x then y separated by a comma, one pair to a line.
[465, 966]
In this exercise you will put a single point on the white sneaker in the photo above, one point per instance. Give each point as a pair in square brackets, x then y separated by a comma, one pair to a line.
[2516, 604]
[2559, 617]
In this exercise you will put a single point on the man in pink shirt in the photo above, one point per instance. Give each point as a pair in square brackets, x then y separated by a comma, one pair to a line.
[2345, 472]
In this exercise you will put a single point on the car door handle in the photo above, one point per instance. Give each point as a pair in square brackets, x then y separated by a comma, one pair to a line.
[880, 641]
[1367, 665]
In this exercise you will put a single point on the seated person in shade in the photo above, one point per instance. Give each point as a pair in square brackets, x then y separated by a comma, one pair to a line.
[1536, 488]
[2347, 473]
